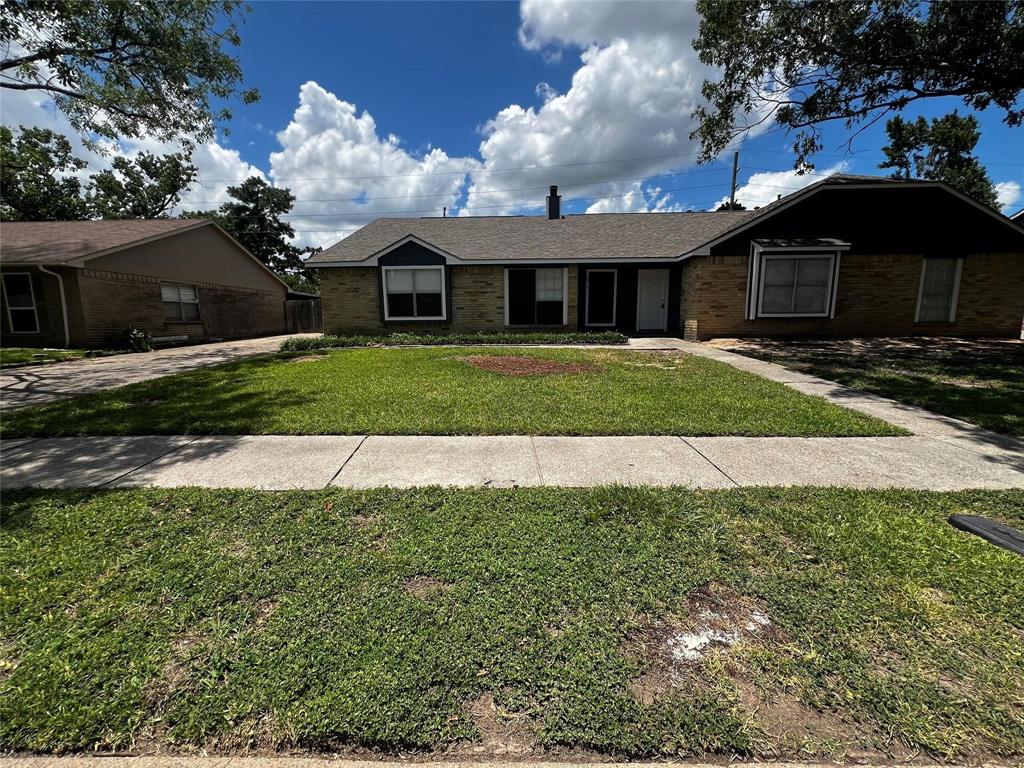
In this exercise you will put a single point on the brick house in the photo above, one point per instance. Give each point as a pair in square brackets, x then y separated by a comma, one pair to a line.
[83, 283]
[846, 256]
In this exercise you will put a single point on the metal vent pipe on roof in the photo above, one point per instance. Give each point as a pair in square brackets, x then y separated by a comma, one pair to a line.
[554, 203]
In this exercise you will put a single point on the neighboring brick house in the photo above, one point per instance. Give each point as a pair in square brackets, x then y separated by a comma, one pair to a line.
[83, 283]
[847, 256]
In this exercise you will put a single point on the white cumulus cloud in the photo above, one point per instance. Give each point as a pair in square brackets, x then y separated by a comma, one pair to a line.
[334, 159]
[763, 188]
[630, 102]
[1008, 193]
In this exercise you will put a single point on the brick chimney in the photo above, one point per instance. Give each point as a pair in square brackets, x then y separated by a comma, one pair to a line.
[554, 203]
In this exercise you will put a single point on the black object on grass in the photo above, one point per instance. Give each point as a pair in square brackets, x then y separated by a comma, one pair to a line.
[991, 531]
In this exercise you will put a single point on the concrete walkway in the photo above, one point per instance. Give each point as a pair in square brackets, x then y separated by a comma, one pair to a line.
[35, 384]
[278, 462]
[942, 454]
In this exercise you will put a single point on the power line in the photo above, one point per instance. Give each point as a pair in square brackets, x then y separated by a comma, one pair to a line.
[463, 172]
[541, 188]
[477, 171]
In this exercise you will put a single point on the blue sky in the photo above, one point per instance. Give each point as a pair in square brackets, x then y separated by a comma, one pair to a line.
[403, 108]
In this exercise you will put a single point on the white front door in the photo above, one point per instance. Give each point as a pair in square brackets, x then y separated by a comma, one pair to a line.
[652, 300]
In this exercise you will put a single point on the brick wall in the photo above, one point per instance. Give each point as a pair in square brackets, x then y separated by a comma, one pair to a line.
[114, 301]
[877, 296]
[351, 301]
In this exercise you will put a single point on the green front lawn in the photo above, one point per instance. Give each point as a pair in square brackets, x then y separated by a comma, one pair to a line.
[22, 355]
[438, 392]
[323, 621]
[977, 380]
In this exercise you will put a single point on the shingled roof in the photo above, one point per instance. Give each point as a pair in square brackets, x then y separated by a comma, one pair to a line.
[595, 236]
[61, 242]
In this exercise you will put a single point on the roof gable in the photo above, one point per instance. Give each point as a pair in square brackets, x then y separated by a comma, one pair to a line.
[65, 242]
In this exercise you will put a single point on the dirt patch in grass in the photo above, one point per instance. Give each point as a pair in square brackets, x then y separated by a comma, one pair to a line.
[425, 587]
[306, 359]
[516, 365]
[501, 733]
[673, 649]
[360, 521]
[790, 725]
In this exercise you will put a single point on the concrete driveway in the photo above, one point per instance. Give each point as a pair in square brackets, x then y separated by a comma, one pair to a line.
[35, 384]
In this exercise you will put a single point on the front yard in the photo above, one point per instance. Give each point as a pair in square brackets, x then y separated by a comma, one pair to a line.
[533, 622]
[14, 356]
[977, 380]
[449, 391]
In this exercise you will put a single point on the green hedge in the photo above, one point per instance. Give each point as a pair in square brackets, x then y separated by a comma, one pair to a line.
[426, 339]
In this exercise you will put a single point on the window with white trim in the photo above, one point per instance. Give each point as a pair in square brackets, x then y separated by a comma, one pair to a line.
[20, 300]
[536, 296]
[795, 285]
[792, 284]
[414, 293]
[937, 294]
[181, 302]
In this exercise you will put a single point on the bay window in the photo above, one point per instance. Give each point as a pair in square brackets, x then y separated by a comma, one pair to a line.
[937, 293]
[414, 293]
[792, 283]
[536, 296]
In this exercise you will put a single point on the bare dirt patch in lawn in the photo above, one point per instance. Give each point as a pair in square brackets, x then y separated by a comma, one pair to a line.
[517, 365]
[789, 724]
[307, 358]
[425, 587]
[501, 733]
[672, 649]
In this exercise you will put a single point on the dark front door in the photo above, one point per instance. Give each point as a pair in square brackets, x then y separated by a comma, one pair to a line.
[601, 291]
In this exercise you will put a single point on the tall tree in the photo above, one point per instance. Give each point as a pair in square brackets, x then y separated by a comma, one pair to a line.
[941, 151]
[803, 63]
[253, 218]
[143, 187]
[127, 68]
[39, 177]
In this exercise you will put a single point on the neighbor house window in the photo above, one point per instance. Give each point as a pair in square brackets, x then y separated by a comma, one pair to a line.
[536, 296]
[414, 293]
[181, 302]
[20, 298]
[937, 294]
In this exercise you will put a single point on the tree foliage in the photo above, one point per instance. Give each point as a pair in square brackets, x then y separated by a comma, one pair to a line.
[143, 187]
[38, 177]
[803, 63]
[127, 68]
[940, 151]
[731, 206]
[42, 181]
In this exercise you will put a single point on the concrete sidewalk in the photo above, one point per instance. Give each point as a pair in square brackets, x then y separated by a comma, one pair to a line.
[942, 454]
[279, 462]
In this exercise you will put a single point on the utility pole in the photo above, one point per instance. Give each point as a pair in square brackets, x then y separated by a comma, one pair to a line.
[735, 170]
